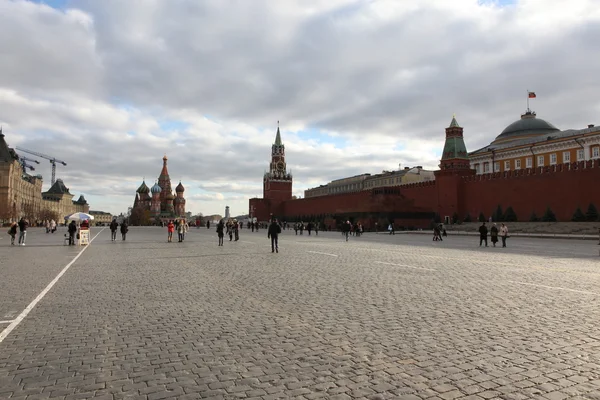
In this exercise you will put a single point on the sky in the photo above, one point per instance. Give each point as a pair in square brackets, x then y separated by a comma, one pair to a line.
[359, 86]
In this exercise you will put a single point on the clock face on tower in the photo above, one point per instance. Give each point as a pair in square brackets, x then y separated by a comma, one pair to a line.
[280, 166]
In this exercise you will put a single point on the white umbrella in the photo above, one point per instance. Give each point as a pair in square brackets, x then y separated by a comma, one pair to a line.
[79, 217]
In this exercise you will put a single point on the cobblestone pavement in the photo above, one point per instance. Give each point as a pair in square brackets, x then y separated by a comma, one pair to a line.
[378, 317]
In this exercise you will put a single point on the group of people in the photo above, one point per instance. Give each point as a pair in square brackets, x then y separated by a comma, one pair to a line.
[22, 226]
[50, 226]
[181, 226]
[232, 227]
[114, 225]
[494, 233]
[301, 227]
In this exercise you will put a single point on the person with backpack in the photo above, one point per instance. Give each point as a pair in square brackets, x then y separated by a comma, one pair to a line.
[273, 234]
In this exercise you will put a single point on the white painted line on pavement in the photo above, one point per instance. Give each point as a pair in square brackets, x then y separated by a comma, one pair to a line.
[555, 287]
[6, 322]
[404, 266]
[245, 241]
[40, 296]
[325, 254]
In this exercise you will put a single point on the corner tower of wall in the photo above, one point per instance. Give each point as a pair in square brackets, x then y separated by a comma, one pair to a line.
[454, 165]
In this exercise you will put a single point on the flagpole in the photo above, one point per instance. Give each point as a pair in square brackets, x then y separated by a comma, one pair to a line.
[527, 100]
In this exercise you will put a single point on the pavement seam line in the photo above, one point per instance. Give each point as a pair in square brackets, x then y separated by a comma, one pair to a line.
[404, 266]
[555, 287]
[43, 293]
[326, 254]
[6, 322]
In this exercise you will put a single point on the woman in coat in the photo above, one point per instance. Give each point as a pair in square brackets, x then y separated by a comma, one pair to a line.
[494, 234]
[124, 229]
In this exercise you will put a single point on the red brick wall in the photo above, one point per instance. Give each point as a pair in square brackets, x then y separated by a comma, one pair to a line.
[563, 188]
[259, 208]
[277, 191]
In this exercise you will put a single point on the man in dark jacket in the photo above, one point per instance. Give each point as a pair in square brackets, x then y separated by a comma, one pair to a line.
[113, 229]
[483, 231]
[23, 225]
[273, 233]
[72, 232]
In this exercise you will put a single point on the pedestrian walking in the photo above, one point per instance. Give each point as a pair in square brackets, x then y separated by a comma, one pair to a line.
[113, 229]
[494, 234]
[220, 233]
[273, 234]
[483, 231]
[182, 228]
[12, 231]
[346, 228]
[23, 225]
[503, 234]
[124, 230]
[53, 226]
[391, 228]
[170, 230]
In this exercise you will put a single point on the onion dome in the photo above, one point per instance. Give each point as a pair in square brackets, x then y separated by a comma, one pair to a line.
[143, 188]
[527, 127]
[156, 188]
[179, 188]
[169, 196]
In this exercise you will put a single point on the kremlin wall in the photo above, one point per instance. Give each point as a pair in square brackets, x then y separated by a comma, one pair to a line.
[460, 187]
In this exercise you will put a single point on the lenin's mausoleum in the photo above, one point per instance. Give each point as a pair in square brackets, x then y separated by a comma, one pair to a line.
[531, 167]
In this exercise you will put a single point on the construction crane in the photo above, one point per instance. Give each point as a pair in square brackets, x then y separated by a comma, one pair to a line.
[52, 160]
[25, 163]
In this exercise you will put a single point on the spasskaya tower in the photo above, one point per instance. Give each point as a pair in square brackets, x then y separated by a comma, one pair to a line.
[277, 182]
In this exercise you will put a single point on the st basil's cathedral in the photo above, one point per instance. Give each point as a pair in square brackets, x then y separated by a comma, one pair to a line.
[159, 199]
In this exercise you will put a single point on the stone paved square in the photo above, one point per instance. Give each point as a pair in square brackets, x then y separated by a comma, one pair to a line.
[378, 317]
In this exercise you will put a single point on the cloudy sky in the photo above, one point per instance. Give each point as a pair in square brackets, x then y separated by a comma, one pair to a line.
[110, 86]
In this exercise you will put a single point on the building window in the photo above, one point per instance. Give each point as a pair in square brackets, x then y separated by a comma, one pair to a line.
[486, 167]
[518, 164]
[528, 162]
[596, 152]
[553, 159]
[507, 165]
[540, 161]
[566, 157]
[496, 167]
[580, 155]
[477, 169]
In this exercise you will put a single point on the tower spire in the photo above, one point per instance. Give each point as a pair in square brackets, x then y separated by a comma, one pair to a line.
[278, 137]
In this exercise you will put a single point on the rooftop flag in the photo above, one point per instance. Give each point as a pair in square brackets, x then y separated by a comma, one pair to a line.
[531, 95]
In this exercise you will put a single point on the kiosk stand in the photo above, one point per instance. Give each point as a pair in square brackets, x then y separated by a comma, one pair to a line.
[84, 237]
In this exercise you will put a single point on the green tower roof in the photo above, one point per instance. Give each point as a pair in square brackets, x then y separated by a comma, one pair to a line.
[454, 148]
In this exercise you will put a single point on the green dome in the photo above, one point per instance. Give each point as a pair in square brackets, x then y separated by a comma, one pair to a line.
[528, 126]
[143, 188]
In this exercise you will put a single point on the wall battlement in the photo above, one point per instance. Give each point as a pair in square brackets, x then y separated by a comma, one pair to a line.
[417, 185]
[573, 167]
